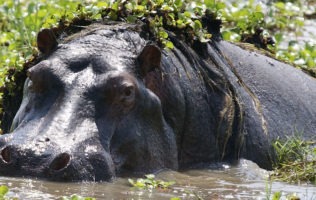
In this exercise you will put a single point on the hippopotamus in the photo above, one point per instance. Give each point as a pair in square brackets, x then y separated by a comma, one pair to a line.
[108, 101]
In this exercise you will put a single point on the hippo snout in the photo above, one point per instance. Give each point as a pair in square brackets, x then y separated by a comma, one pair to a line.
[14, 157]
[76, 167]
[53, 163]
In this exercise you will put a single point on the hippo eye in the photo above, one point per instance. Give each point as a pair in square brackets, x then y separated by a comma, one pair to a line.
[120, 91]
[127, 95]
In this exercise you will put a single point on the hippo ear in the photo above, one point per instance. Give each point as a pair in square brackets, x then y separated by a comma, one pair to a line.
[149, 59]
[46, 41]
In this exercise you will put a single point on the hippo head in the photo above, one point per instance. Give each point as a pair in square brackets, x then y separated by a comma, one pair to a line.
[86, 113]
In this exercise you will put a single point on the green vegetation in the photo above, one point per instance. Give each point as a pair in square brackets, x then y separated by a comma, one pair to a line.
[19, 23]
[149, 183]
[278, 196]
[296, 160]
[21, 20]
[282, 20]
[76, 197]
[3, 193]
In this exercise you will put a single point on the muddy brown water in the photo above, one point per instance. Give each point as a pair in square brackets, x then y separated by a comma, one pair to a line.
[244, 181]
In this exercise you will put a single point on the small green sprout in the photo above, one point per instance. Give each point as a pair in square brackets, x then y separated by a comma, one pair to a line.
[76, 197]
[149, 183]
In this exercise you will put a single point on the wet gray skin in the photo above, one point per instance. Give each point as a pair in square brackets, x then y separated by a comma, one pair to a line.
[106, 103]
[85, 115]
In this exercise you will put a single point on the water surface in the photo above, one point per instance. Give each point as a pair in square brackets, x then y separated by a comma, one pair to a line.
[245, 181]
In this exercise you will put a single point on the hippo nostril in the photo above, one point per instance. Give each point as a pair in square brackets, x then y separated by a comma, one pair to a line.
[60, 162]
[6, 155]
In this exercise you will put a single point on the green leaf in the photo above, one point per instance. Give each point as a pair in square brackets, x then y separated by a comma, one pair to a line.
[31, 8]
[160, 2]
[280, 5]
[140, 8]
[75, 197]
[220, 5]
[203, 39]
[258, 8]
[169, 45]
[150, 176]
[3, 190]
[276, 196]
[258, 16]
[226, 35]
[311, 63]
[101, 4]
[167, 8]
[242, 25]
[115, 6]
[180, 24]
[129, 6]
[197, 25]
[209, 3]
[187, 14]
[131, 181]
[164, 35]
[113, 15]
[131, 19]
[278, 37]
[178, 3]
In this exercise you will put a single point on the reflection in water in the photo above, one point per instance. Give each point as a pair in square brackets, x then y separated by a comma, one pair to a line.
[245, 181]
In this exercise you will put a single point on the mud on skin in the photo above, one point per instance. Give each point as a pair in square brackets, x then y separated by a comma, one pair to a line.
[106, 102]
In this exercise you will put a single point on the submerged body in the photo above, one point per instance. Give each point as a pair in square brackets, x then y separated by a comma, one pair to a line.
[106, 102]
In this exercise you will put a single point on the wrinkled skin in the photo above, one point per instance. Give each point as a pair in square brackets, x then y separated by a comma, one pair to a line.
[104, 103]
